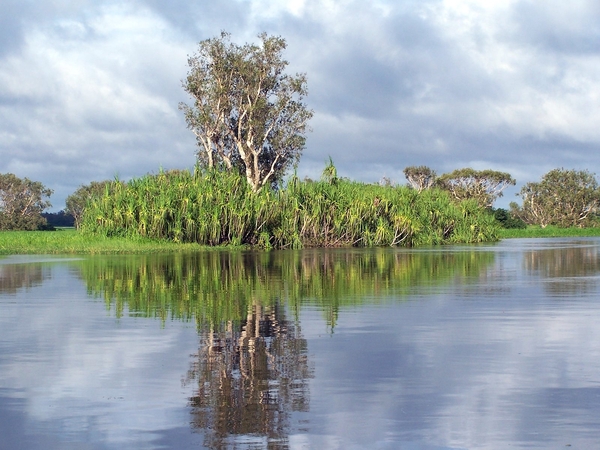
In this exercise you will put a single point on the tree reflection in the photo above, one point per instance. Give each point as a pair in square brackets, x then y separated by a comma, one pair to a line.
[250, 378]
[17, 276]
[572, 270]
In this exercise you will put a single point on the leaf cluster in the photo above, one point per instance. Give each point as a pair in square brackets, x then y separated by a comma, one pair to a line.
[508, 220]
[420, 177]
[483, 186]
[77, 202]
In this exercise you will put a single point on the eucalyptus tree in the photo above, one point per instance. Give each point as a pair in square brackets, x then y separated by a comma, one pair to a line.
[22, 202]
[485, 186]
[563, 197]
[420, 177]
[247, 113]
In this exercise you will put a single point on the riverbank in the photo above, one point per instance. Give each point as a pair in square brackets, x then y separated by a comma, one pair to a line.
[549, 231]
[69, 241]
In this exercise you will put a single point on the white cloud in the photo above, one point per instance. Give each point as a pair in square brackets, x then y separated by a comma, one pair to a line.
[92, 98]
[92, 90]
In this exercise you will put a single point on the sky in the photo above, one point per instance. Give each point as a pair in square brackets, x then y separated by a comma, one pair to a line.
[89, 90]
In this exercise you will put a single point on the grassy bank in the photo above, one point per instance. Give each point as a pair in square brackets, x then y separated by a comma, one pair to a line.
[533, 231]
[72, 242]
[215, 208]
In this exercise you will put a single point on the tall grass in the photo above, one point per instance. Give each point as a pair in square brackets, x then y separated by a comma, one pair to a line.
[216, 208]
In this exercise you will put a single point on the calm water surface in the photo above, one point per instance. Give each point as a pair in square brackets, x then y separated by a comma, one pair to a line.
[470, 347]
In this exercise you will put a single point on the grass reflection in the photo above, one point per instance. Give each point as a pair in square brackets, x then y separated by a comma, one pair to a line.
[218, 287]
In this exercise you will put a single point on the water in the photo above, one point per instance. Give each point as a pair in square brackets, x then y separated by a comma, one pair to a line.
[466, 347]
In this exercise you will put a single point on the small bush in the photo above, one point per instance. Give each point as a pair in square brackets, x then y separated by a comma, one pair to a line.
[507, 220]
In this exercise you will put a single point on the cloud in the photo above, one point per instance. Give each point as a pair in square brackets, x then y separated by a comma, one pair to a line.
[559, 28]
[89, 99]
[90, 90]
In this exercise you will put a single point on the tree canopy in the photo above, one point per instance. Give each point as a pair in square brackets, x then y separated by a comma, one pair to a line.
[22, 202]
[420, 177]
[563, 197]
[248, 114]
[485, 186]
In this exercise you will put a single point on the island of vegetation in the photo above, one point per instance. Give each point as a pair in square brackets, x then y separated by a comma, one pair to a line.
[250, 121]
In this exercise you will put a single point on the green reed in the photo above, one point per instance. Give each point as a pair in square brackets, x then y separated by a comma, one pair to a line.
[218, 207]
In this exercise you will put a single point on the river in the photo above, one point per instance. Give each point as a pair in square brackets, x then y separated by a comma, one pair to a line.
[459, 347]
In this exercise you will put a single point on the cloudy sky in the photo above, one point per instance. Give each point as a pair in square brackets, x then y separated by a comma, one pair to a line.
[90, 90]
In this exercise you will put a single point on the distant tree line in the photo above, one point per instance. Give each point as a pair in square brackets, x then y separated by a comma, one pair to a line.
[483, 186]
[58, 219]
[564, 198]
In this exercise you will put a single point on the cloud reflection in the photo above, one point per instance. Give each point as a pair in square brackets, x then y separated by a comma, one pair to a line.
[484, 356]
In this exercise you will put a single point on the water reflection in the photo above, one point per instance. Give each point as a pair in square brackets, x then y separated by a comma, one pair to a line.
[18, 276]
[252, 368]
[459, 347]
[217, 287]
[250, 378]
[569, 270]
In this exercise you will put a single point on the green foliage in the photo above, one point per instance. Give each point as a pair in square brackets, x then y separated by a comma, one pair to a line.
[219, 207]
[329, 174]
[72, 242]
[565, 198]
[248, 115]
[536, 231]
[59, 219]
[483, 186]
[507, 220]
[22, 202]
[77, 202]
